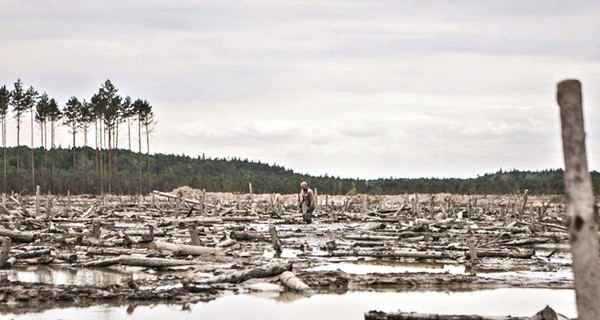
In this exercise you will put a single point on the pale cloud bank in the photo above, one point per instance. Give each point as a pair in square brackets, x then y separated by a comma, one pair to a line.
[348, 88]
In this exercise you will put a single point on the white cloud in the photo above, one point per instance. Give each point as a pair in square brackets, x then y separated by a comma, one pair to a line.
[346, 88]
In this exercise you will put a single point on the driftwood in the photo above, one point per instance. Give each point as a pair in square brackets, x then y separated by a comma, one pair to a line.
[502, 253]
[17, 235]
[546, 314]
[243, 275]
[390, 254]
[246, 236]
[182, 249]
[290, 281]
[379, 315]
[137, 261]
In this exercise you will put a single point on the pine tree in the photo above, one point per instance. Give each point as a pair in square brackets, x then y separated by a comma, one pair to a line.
[4, 103]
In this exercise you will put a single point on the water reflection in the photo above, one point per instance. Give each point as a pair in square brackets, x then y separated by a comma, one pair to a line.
[499, 302]
[60, 276]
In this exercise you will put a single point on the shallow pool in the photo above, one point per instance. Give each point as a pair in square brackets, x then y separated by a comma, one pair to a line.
[498, 302]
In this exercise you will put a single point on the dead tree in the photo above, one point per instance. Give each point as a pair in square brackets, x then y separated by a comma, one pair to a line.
[581, 223]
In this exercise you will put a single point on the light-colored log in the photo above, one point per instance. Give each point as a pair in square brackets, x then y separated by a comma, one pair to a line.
[243, 275]
[290, 281]
[17, 235]
[183, 249]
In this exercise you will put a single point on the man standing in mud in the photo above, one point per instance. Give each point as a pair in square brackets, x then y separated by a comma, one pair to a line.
[307, 202]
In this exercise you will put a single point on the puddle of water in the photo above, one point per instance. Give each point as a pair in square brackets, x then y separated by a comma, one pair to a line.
[363, 268]
[285, 253]
[499, 302]
[68, 276]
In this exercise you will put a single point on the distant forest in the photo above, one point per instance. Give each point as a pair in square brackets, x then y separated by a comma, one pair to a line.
[167, 172]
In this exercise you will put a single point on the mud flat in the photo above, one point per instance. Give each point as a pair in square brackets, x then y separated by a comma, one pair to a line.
[188, 247]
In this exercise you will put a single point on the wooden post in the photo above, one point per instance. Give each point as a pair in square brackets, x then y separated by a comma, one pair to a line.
[472, 249]
[203, 204]
[69, 201]
[49, 207]
[178, 203]
[96, 230]
[364, 203]
[327, 203]
[4, 200]
[250, 188]
[37, 200]
[275, 240]
[5, 251]
[581, 223]
[524, 206]
[194, 234]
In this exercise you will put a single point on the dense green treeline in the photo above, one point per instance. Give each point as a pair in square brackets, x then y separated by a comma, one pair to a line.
[168, 171]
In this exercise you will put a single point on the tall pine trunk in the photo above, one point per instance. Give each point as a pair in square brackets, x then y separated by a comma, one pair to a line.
[146, 124]
[32, 156]
[52, 187]
[85, 159]
[140, 153]
[4, 151]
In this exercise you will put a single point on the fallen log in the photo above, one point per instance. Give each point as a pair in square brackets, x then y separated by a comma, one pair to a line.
[138, 261]
[32, 254]
[290, 281]
[182, 249]
[494, 253]
[369, 237]
[192, 201]
[17, 235]
[246, 236]
[380, 315]
[243, 275]
[389, 254]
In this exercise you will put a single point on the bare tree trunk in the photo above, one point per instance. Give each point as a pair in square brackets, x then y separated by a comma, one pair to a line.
[5, 153]
[148, 156]
[583, 230]
[32, 156]
[43, 152]
[140, 154]
[85, 158]
[18, 154]
[53, 161]
[109, 160]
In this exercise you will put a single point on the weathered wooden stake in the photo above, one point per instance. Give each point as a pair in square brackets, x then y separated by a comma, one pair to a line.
[4, 200]
[37, 200]
[275, 240]
[49, 207]
[68, 200]
[96, 230]
[364, 203]
[203, 204]
[472, 250]
[5, 251]
[194, 234]
[581, 223]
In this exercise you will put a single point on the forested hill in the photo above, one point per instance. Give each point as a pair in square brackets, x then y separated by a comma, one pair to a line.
[119, 171]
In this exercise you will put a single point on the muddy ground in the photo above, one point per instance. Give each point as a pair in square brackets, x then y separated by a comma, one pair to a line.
[186, 246]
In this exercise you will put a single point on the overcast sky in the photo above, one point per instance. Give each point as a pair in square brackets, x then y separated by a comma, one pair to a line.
[349, 88]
